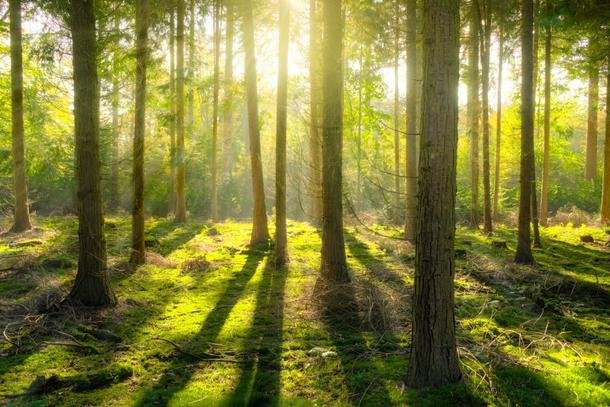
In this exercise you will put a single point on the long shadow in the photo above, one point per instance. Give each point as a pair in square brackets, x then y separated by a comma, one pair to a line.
[259, 382]
[169, 383]
[166, 236]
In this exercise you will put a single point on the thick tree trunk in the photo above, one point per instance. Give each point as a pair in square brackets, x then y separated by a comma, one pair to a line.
[524, 242]
[315, 145]
[605, 207]
[411, 145]
[434, 359]
[114, 152]
[334, 267]
[498, 128]
[280, 142]
[214, 158]
[172, 115]
[591, 153]
[473, 112]
[138, 251]
[260, 231]
[227, 115]
[22, 215]
[92, 286]
[397, 205]
[485, 57]
[544, 199]
[180, 171]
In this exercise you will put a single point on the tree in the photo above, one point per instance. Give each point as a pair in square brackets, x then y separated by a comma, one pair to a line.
[91, 286]
[524, 242]
[605, 207]
[473, 111]
[333, 271]
[115, 99]
[591, 149]
[22, 214]
[498, 124]
[544, 193]
[172, 114]
[280, 142]
[434, 359]
[260, 231]
[315, 147]
[138, 250]
[180, 173]
[214, 158]
[411, 146]
[227, 119]
[396, 210]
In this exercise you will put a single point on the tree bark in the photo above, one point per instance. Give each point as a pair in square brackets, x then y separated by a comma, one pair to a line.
[524, 242]
[591, 153]
[114, 155]
[214, 160]
[411, 145]
[434, 359]
[180, 171]
[315, 145]
[280, 152]
[544, 203]
[485, 35]
[397, 205]
[172, 115]
[22, 214]
[91, 286]
[498, 127]
[605, 206]
[473, 112]
[138, 250]
[260, 231]
[227, 117]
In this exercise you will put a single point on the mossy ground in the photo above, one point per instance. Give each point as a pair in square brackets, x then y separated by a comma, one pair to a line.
[527, 336]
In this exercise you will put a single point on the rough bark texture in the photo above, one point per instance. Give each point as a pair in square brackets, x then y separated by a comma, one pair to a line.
[485, 59]
[172, 114]
[260, 231]
[434, 360]
[591, 153]
[227, 115]
[91, 286]
[214, 158]
[524, 242]
[280, 142]
[180, 172]
[411, 147]
[334, 266]
[22, 215]
[473, 112]
[114, 149]
[544, 199]
[605, 207]
[315, 144]
[498, 128]
[138, 251]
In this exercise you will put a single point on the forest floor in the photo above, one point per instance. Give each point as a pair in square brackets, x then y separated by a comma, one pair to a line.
[210, 322]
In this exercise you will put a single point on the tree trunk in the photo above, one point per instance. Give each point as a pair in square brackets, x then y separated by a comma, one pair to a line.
[114, 156]
[485, 56]
[498, 128]
[91, 286]
[280, 152]
[172, 115]
[591, 153]
[138, 251]
[227, 117]
[358, 199]
[473, 112]
[411, 145]
[605, 207]
[315, 145]
[524, 242]
[544, 203]
[260, 232]
[22, 215]
[214, 163]
[180, 172]
[192, 60]
[334, 267]
[434, 359]
[397, 205]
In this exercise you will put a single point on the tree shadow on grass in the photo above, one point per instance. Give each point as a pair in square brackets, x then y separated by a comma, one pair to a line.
[259, 382]
[169, 383]
[166, 236]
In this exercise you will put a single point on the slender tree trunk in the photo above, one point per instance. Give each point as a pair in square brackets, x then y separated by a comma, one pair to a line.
[91, 286]
[498, 128]
[315, 145]
[359, 128]
[485, 57]
[544, 203]
[172, 115]
[227, 117]
[22, 215]
[411, 145]
[473, 112]
[280, 152]
[591, 154]
[334, 267]
[434, 359]
[138, 251]
[397, 205]
[180, 171]
[192, 63]
[214, 163]
[114, 156]
[537, 242]
[524, 242]
[605, 207]
[260, 231]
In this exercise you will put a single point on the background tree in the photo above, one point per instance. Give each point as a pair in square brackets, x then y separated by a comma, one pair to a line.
[591, 148]
[473, 110]
[315, 146]
[411, 146]
[173, 198]
[180, 171]
[214, 158]
[605, 206]
[544, 192]
[434, 359]
[115, 100]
